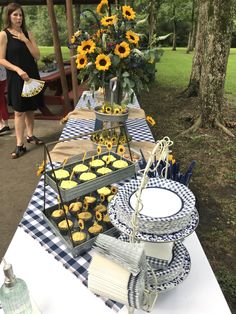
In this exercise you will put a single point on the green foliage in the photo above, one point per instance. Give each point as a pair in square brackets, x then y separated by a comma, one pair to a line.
[37, 21]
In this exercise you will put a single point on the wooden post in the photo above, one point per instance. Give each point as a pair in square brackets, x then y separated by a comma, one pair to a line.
[58, 54]
[70, 28]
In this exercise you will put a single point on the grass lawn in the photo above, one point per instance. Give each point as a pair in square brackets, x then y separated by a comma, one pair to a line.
[174, 70]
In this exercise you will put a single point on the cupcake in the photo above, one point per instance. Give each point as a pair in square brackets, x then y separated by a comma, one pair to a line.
[104, 191]
[68, 184]
[120, 164]
[60, 174]
[64, 226]
[100, 208]
[107, 221]
[87, 176]
[110, 197]
[74, 208]
[58, 215]
[80, 168]
[87, 218]
[95, 230]
[108, 158]
[96, 163]
[78, 237]
[104, 170]
[90, 199]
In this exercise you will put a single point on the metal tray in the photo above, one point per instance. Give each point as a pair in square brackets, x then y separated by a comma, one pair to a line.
[81, 248]
[87, 187]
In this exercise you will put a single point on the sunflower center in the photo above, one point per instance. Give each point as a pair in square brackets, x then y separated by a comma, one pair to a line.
[81, 61]
[109, 20]
[103, 62]
[132, 37]
[128, 13]
[121, 49]
[87, 47]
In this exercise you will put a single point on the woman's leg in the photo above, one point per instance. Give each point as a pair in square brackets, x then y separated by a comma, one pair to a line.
[19, 127]
[29, 122]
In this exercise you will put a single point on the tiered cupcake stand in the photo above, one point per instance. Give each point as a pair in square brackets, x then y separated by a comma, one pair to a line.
[157, 210]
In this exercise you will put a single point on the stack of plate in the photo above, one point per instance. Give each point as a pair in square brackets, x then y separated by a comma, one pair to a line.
[173, 274]
[166, 206]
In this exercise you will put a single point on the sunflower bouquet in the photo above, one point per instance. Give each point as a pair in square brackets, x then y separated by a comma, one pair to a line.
[109, 46]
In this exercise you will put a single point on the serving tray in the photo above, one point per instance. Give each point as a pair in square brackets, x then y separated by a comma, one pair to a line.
[75, 250]
[91, 185]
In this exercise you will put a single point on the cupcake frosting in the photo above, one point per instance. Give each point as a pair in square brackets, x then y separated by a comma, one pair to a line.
[86, 176]
[96, 163]
[61, 174]
[68, 184]
[80, 168]
[120, 164]
[104, 170]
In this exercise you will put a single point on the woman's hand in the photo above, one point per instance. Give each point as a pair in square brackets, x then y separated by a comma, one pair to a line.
[21, 36]
[22, 74]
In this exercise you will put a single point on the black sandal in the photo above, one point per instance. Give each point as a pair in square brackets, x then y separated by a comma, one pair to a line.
[18, 152]
[34, 140]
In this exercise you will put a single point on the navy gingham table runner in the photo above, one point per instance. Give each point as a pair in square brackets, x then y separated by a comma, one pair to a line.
[35, 225]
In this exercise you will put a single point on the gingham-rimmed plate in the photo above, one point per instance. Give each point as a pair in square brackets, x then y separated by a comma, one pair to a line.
[150, 237]
[183, 196]
[175, 267]
[176, 281]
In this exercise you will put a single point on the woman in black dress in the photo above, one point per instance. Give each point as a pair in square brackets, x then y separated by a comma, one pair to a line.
[18, 54]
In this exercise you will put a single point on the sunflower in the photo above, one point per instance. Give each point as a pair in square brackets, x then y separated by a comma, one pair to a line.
[132, 37]
[81, 224]
[81, 61]
[87, 46]
[109, 20]
[114, 189]
[108, 159]
[116, 111]
[113, 139]
[151, 120]
[99, 150]
[109, 145]
[121, 150]
[128, 12]
[98, 216]
[101, 140]
[41, 168]
[170, 157]
[103, 62]
[122, 50]
[102, 198]
[85, 206]
[100, 7]
[108, 110]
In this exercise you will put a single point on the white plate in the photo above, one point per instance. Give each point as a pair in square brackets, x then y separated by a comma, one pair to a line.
[157, 202]
[150, 237]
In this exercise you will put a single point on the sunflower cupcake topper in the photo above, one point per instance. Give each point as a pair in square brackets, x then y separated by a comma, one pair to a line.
[121, 150]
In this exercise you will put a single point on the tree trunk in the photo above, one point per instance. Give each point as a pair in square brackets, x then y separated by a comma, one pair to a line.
[191, 32]
[214, 62]
[193, 86]
[152, 22]
[174, 29]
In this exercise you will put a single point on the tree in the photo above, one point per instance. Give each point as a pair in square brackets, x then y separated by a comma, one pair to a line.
[192, 32]
[193, 86]
[213, 46]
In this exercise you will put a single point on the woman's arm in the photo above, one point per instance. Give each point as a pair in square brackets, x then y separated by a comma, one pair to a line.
[8, 65]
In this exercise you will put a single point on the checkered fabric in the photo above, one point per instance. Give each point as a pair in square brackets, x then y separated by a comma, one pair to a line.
[33, 222]
[137, 128]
